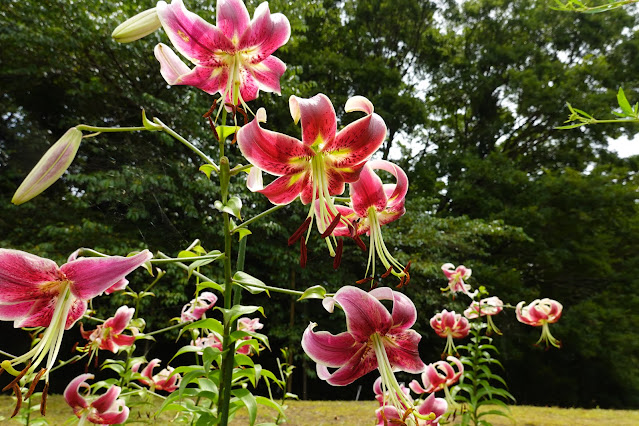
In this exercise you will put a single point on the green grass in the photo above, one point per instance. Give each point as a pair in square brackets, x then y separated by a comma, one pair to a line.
[318, 413]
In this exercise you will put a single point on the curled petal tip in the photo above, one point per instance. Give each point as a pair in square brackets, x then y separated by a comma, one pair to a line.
[261, 115]
[359, 103]
[294, 106]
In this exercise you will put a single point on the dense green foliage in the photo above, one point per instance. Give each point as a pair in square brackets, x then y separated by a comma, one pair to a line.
[471, 95]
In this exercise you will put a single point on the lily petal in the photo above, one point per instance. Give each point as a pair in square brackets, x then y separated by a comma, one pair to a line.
[24, 276]
[319, 122]
[404, 312]
[365, 315]
[232, 18]
[329, 349]
[367, 192]
[91, 276]
[404, 352]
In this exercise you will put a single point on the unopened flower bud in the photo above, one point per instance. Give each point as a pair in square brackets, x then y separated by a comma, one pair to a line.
[139, 26]
[50, 167]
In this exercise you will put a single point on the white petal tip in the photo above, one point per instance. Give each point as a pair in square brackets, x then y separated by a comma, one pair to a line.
[359, 103]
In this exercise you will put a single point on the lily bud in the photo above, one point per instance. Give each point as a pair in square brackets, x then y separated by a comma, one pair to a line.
[139, 26]
[50, 167]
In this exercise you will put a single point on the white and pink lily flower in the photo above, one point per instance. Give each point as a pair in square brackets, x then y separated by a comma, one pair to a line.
[486, 308]
[249, 324]
[35, 292]
[451, 326]
[161, 381]
[541, 313]
[108, 336]
[317, 167]
[194, 310]
[456, 277]
[374, 204]
[428, 413]
[375, 339]
[233, 57]
[105, 410]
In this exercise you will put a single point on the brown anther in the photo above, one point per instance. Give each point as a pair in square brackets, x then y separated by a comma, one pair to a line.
[210, 111]
[374, 285]
[387, 273]
[18, 377]
[207, 115]
[359, 242]
[18, 392]
[43, 402]
[303, 253]
[338, 253]
[241, 111]
[407, 413]
[332, 226]
[75, 345]
[34, 383]
[364, 280]
[1, 370]
[297, 234]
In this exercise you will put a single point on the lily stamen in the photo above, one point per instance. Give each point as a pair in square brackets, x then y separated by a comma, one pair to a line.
[34, 383]
[18, 392]
[338, 253]
[297, 234]
[303, 253]
[18, 377]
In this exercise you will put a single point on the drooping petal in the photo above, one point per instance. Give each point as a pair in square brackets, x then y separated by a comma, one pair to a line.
[265, 35]
[24, 276]
[192, 36]
[91, 276]
[120, 285]
[329, 349]
[318, 119]
[362, 362]
[404, 313]
[105, 401]
[119, 414]
[72, 395]
[232, 18]
[367, 192]
[285, 189]
[40, 314]
[273, 152]
[395, 200]
[76, 311]
[403, 353]
[365, 315]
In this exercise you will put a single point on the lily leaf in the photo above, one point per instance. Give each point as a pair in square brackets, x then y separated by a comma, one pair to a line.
[315, 292]
[249, 282]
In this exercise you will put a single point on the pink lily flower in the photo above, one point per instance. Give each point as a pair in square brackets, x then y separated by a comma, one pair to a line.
[375, 338]
[456, 277]
[210, 340]
[194, 310]
[451, 326]
[233, 57]
[35, 292]
[161, 381]
[428, 413]
[486, 307]
[541, 313]
[374, 204]
[317, 167]
[105, 410]
[438, 376]
[109, 335]
[249, 324]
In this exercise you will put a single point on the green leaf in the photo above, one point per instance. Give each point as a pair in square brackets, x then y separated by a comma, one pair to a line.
[207, 169]
[315, 292]
[237, 311]
[232, 207]
[623, 103]
[243, 232]
[224, 132]
[270, 403]
[249, 401]
[210, 284]
[249, 282]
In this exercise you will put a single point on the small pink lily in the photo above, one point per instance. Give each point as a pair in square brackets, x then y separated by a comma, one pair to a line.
[451, 326]
[438, 376]
[210, 340]
[105, 410]
[374, 204]
[317, 167]
[109, 335]
[35, 292]
[456, 277]
[428, 413]
[161, 381]
[541, 313]
[194, 310]
[233, 57]
[375, 338]
[486, 307]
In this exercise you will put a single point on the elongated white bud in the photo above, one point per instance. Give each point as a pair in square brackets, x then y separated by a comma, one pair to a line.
[139, 26]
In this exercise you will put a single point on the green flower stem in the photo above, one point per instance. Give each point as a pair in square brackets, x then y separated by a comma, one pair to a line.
[255, 218]
[99, 130]
[241, 257]
[184, 259]
[71, 360]
[171, 327]
[188, 144]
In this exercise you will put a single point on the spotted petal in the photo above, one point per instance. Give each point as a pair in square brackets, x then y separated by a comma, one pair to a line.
[232, 18]
[265, 35]
[24, 276]
[318, 119]
[365, 315]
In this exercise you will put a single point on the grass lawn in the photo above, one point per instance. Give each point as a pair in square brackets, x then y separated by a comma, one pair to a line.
[318, 413]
